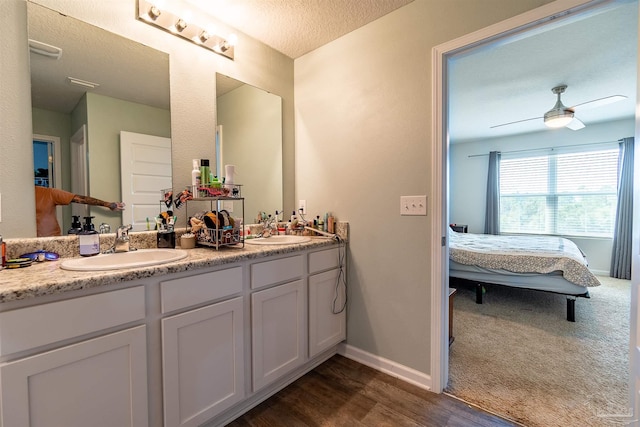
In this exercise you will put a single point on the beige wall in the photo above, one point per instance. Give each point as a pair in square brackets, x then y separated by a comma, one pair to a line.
[193, 96]
[16, 146]
[251, 119]
[363, 111]
[107, 117]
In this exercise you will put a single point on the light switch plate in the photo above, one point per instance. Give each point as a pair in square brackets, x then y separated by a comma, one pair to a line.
[303, 205]
[413, 205]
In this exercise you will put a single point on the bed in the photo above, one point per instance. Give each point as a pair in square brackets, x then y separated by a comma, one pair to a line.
[543, 263]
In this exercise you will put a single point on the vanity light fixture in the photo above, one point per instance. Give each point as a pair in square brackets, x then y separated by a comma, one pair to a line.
[226, 44]
[153, 14]
[203, 37]
[180, 25]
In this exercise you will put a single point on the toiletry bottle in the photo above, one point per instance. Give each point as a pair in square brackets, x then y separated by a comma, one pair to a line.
[325, 224]
[204, 172]
[3, 252]
[76, 226]
[89, 239]
[195, 173]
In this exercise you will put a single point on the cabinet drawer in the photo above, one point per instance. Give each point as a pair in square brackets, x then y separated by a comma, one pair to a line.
[276, 271]
[32, 327]
[192, 290]
[324, 260]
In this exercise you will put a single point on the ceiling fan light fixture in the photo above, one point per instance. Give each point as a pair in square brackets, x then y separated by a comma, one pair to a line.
[558, 118]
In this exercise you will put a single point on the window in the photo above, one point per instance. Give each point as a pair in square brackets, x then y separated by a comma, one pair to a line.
[565, 194]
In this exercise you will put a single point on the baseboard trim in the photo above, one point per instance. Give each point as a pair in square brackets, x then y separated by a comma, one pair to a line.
[387, 366]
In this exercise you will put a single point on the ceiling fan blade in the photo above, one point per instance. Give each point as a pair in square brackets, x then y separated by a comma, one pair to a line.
[598, 102]
[511, 123]
[575, 124]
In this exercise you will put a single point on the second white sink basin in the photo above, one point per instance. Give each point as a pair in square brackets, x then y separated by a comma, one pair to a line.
[278, 240]
[116, 261]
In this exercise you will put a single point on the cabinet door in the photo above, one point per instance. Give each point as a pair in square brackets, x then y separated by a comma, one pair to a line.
[326, 328]
[277, 317]
[203, 362]
[100, 383]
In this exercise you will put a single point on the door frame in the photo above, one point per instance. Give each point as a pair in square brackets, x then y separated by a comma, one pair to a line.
[57, 165]
[440, 162]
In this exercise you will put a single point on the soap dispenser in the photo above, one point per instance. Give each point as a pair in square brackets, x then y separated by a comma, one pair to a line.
[89, 239]
[76, 226]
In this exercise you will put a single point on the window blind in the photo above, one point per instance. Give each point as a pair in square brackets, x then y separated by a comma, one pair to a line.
[566, 194]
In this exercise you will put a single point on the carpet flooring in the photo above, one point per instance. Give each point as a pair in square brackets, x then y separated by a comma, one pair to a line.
[516, 355]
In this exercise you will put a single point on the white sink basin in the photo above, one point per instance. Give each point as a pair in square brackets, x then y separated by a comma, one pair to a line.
[278, 240]
[139, 258]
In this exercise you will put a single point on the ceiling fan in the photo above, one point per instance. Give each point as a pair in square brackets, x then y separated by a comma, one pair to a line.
[562, 116]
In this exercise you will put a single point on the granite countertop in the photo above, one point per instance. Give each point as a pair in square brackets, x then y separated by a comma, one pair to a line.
[47, 278]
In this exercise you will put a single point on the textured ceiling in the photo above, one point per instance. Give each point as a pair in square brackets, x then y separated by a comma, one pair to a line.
[594, 54]
[296, 27]
[124, 69]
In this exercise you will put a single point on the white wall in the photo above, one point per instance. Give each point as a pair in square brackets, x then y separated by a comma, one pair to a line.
[363, 108]
[192, 72]
[468, 181]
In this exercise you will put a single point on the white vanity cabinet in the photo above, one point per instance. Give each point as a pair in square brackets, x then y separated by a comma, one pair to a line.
[327, 293]
[194, 347]
[277, 319]
[100, 381]
[203, 348]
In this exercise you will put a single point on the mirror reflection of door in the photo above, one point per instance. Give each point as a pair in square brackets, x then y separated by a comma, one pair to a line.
[46, 160]
[79, 179]
[145, 174]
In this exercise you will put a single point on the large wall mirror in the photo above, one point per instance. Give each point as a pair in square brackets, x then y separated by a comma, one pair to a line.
[249, 136]
[131, 95]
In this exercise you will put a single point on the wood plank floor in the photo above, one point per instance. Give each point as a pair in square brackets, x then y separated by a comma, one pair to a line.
[342, 392]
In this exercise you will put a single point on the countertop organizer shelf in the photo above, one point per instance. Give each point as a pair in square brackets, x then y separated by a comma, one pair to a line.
[222, 222]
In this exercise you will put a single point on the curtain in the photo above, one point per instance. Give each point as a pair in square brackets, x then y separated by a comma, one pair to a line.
[621, 253]
[492, 214]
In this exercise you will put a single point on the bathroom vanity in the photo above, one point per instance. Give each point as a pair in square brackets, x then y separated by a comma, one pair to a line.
[197, 341]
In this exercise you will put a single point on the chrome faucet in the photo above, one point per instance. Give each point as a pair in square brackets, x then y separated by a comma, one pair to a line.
[122, 243]
[269, 225]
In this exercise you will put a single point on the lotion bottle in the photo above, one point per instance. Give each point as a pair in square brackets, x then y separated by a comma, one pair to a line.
[76, 226]
[89, 239]
[195, 173]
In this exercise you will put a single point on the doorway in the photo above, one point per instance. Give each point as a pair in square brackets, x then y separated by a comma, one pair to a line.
[440, 175]
[46, 164]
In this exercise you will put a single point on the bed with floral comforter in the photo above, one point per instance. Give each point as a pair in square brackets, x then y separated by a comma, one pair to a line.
[545, 263]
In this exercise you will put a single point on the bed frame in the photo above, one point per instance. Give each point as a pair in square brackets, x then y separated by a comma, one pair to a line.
[571, 299]
[479, 281]
[529, 262]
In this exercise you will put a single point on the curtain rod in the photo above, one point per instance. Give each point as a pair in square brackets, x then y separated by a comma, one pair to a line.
[548, 148]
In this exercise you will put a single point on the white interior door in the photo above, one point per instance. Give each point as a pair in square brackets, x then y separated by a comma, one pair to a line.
[79, 175]
[145, 168]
